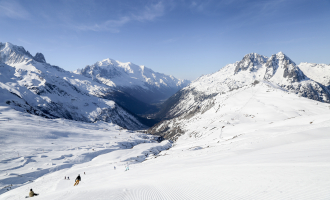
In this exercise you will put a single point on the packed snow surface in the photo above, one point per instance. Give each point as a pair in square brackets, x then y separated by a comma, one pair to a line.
[274, 145]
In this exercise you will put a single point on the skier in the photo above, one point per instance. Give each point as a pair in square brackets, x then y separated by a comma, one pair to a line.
[31, 194]
[68, 178]
[77, 180]
[84, 173]
[65, 177]
[127, 167]
[114, 167]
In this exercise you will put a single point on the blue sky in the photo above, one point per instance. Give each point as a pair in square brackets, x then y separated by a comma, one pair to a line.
[184, 38]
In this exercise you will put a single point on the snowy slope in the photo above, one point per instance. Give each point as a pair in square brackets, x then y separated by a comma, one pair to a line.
[31, 85]
[32, 146]
[138, 81]
[277, 150]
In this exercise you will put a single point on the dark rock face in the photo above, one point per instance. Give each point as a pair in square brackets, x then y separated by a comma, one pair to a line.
[250, 62]
[39, 57]
[290, 71]
[295, 74]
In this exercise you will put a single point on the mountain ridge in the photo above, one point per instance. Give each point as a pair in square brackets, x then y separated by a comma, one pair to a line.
[139, 81]
[278, 72]
[29, 84]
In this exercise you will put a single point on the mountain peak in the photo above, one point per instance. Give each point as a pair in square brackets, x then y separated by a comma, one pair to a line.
[39, 57]
[15, 54]
[250, 62]
[141, 82]
[253, 55]
[288, 69]
[281, 56]
[105, 62]
[10, 53]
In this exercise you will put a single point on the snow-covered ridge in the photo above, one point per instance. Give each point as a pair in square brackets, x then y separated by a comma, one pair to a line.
[140, 81]
[12, 54]
[317, 72]
[278, 72]
[29, 84]
[278, 69]
[250, 62]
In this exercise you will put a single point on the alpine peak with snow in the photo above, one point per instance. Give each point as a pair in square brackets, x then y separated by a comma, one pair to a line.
[29, 84]
[139, 81]
[12, 54]
[209, 92]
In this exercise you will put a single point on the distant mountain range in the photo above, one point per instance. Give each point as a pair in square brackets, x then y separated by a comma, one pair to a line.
[29, 84]
[122, 93]
[139, 81]
[279, 72]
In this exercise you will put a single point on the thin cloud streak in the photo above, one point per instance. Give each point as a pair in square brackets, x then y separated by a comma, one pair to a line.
[12, 9]
[110, 25]
[150, 13]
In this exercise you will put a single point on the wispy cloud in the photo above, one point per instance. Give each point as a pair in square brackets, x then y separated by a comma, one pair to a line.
[208, 6]
[12, 9]
[110, 25]
[148, 13]
[24, 41]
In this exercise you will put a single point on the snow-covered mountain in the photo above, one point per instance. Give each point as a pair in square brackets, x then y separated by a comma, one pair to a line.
[237, 130]
[29, 84]
[254, 73]
[139, 81]
[317, 72]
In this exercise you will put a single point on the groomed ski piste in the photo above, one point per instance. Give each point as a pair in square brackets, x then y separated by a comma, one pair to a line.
[275, 145]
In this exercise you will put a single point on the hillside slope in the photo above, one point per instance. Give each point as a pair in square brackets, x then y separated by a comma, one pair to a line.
[284, 145]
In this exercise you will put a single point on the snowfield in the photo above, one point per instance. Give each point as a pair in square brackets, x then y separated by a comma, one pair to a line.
[32, 146]
[278, 150]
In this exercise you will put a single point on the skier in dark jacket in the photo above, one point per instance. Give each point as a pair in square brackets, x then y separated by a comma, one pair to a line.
[77, 180]
[31, 194]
